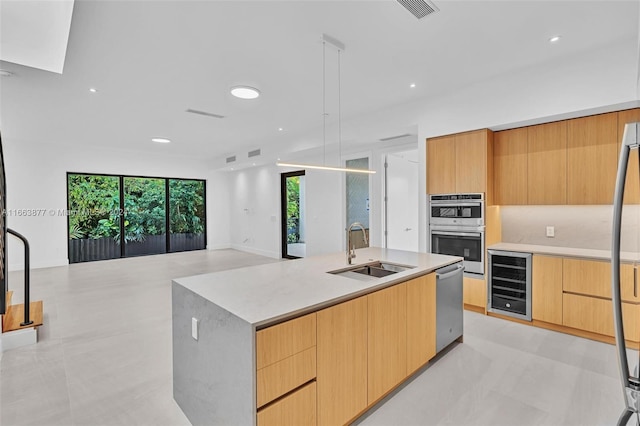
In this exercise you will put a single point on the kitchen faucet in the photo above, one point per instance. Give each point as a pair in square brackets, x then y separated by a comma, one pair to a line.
[350, 254]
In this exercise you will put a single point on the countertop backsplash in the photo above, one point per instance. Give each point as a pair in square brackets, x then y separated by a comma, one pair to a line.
[586, 227]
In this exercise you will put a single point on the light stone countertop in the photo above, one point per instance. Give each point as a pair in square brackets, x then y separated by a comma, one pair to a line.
[627, 257]
[266, 294]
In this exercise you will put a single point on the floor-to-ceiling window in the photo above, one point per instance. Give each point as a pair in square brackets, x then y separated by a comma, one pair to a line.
[293, 214]
[122, 216]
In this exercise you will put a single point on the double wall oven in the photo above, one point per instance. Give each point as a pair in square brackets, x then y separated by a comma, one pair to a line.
[456, 228]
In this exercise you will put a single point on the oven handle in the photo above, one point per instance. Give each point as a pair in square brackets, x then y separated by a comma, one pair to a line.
[434, 204]
[457, 234]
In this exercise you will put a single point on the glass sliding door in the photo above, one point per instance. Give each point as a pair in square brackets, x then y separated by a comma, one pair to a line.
[93, 217]
[357, 190]
[145, 216]
[292, 189]
[186, 215]
[122, 216]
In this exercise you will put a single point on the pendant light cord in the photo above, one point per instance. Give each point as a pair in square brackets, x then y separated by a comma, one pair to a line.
[324, 105]
[339, 114]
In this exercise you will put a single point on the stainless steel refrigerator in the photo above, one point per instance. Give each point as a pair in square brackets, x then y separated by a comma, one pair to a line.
[630, 380]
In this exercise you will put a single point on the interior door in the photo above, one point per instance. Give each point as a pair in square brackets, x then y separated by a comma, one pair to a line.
[402, 200]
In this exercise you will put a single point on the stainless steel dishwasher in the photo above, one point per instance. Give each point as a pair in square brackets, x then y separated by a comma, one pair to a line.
[449, 305]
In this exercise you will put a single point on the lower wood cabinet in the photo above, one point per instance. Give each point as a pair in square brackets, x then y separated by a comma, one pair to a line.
[421, 321]
[342, 362]
[474, 292]
[296, 409]
[596, 315]
[387, 340]
[546, 289]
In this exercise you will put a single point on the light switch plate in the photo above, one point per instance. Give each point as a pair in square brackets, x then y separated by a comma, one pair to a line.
[194, 328]
[551, 231]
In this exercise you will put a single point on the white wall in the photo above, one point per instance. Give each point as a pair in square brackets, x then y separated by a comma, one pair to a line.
[36, 179]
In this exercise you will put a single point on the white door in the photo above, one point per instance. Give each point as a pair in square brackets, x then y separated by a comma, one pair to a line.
[402, 200]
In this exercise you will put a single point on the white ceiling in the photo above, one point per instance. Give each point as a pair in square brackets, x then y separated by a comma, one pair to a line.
[151, 60]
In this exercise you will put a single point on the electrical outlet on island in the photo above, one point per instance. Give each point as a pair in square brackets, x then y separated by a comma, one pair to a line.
[551, 231]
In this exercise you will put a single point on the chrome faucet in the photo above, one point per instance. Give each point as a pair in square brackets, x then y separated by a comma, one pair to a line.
[351, 254]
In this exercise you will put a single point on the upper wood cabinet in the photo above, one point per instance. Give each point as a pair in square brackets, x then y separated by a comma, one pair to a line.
[632, 185]
[441, 165]
[547, 163]
[421, 321]
[387, 340]
[461, 163]
[592, 159]
[342, 362]
[510, 166]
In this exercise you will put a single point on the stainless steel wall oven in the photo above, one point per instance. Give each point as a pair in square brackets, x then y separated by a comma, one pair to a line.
[456, 228]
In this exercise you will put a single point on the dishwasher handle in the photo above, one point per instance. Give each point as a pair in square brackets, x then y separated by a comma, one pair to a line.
[448, 274]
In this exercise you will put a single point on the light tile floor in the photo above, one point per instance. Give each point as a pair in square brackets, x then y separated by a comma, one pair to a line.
[104, 358]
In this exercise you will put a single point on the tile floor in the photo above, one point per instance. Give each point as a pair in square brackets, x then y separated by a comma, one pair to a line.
[104, 358]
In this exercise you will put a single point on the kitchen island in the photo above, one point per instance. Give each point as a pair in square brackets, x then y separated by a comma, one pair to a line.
[289, 342]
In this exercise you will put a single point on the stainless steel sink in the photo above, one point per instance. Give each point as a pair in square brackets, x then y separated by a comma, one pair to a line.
[372, 270]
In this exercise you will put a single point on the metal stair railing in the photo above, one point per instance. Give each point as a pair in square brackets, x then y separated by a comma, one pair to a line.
[27, 320]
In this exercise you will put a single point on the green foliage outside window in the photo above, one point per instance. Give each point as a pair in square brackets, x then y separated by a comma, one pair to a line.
[94, 204]
[293, 209]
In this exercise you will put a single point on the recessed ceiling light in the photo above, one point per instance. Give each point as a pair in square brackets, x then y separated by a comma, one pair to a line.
[554, 39]
[5, 73]
[161, 140]
[232, 168]
[93, 90]
[254, 164]
[280, 129]
[412, 85]
[245, 92]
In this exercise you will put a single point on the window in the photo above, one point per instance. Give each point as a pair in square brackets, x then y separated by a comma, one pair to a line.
[122, 216]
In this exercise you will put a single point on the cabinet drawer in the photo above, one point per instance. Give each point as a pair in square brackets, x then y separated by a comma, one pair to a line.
[593, 278]
[283, 376]
[596, 315]
[297, 409]
[281, 341]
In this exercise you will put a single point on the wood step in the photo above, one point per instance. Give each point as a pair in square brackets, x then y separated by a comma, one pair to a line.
[15, 315]
[8, 299]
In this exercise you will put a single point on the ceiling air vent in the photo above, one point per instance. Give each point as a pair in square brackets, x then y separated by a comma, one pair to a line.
[208, 114]
[390, 138]
[231, 159]
[419, 8]
[254, 153]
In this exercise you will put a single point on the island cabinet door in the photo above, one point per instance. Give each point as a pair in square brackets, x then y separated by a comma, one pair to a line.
[387, 340]
[296, 409]
[342, 362]
[421, 321]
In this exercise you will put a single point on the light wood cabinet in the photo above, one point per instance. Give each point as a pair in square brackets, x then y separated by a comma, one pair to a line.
[547, 163]
[632, 184]
[474, 292]
[592, 159]
[510, 166]
[441, 165]
[296, 409]
[280, 341]
[593, 278]
[421, 321]
[387, 340]
[342, 362]
[461, 163]
[472, 155]
[546, 289]
[596, 315]
[283, 376]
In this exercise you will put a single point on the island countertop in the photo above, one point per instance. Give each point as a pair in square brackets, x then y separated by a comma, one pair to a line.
[266, 294]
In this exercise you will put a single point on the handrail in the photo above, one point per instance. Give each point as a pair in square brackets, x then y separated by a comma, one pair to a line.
[27, 320]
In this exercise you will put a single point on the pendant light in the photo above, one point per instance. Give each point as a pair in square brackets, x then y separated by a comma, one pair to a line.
[340, 48]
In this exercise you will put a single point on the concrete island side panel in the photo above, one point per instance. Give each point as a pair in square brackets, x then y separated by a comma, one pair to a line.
[214, 376]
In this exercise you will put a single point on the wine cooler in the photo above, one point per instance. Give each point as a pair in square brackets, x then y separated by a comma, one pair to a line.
[509, 284]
